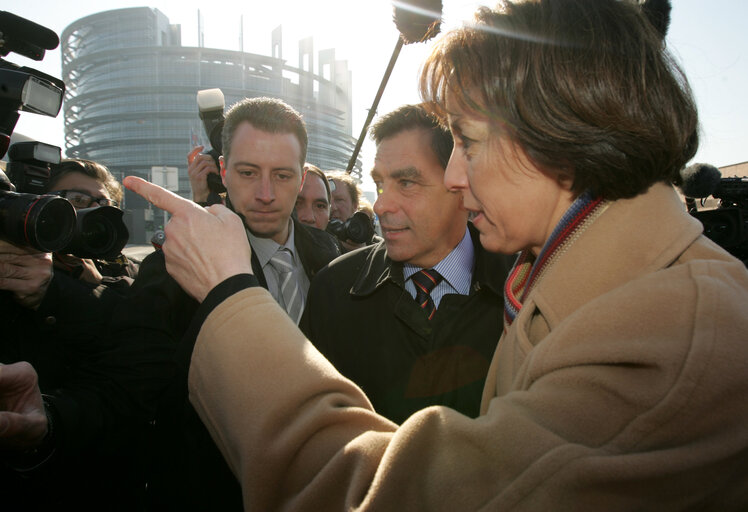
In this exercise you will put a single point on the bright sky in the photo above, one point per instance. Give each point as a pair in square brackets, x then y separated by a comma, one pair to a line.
[708, 38]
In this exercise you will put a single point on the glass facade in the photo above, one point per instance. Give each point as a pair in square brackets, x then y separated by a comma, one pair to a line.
[132, 88]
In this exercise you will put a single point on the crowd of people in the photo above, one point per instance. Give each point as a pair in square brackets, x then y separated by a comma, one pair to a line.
[538, 325]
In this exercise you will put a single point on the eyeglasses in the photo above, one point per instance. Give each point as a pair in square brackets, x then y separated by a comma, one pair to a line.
[81, 199]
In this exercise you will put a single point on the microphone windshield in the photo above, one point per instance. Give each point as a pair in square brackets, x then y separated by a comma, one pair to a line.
[417, 20]
[699, 180]
[658, 14]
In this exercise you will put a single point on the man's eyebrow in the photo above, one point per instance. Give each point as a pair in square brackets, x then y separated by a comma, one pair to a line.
[255, 166]
[407, 172]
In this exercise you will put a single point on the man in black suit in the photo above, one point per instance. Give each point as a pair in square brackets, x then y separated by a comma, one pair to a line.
[369, 312]
[264, 144]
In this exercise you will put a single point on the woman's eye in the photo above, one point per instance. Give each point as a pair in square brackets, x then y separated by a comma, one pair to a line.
[465, 142]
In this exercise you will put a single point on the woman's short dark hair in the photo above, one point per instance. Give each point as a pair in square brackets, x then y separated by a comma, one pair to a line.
[88, 168]
[409, 117]
[582, 86]
[269, 115]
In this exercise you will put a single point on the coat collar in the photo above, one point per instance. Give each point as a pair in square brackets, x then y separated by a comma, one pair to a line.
[378, 269]
[633, 237]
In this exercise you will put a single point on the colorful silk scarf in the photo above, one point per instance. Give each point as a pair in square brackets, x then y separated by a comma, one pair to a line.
[529, 269]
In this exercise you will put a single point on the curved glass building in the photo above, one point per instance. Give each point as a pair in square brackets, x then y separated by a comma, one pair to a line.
[132, 88]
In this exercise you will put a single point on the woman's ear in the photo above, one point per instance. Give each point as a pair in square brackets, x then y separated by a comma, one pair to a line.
[565, 179]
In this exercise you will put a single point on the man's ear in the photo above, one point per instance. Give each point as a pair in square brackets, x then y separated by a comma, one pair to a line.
[303, 177]
[223, 169]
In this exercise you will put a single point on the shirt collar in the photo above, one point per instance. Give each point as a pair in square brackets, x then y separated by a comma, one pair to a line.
[265, 248]
[456, 268]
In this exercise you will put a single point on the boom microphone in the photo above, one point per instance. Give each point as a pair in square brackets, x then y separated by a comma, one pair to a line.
[417, 21]
[658, 14]
[700, 180]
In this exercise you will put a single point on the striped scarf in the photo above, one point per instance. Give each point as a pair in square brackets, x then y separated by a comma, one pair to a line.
[528, 270]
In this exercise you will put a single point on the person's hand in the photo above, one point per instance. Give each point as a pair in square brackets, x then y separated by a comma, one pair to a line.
[350, 245]
[25, 272]
[203, 246]
[198, 168]
[23, 422]
[87, 268]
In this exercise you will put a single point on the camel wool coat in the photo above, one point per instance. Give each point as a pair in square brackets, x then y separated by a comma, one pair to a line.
[621, 385]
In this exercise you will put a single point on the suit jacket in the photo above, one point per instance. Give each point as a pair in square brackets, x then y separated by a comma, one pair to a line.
[361, 317]
[621, 385]
[186, 470]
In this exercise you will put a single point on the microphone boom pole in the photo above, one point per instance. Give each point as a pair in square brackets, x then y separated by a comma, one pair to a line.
[375, 104]
[417, 21]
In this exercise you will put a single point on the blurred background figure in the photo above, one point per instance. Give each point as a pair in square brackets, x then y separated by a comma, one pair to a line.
[352, 231]
[345, 195]
[313, 202]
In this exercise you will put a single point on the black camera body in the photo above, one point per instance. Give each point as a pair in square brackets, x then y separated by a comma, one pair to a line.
[727, 225]
[24, 88]
[28, 216]
[358, 228]
[210, 104]
[49, 223]
[43, 222]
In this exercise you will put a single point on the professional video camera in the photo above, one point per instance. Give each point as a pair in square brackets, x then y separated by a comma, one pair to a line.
[727, 225]
[210, 103]
[28, 217]
[358, 228]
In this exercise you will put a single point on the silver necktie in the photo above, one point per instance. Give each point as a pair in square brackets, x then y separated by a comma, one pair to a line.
[282, 262]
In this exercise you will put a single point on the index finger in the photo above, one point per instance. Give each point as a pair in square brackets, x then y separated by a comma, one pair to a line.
[157, 196]
[192, 154]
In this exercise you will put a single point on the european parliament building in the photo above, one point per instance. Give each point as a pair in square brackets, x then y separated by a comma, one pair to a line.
[132, 89]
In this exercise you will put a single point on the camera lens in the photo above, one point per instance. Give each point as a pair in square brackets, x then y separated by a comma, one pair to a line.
[100, 234]
[359, 228]
[46, 223]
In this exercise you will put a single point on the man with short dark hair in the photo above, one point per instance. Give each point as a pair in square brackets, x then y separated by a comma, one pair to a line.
[263, 170]
[369, 312]
[264, 143]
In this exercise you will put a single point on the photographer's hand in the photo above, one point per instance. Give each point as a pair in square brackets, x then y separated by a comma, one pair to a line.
[350, 245]
[23, 422]
[203, 246]
[25, 272]
[84, 268]
[199, 166]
